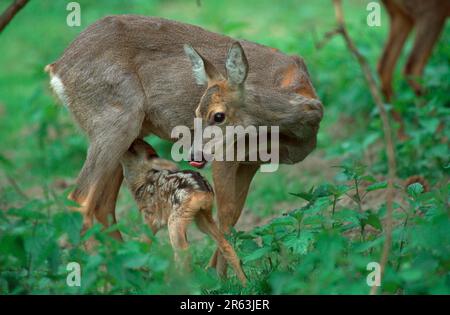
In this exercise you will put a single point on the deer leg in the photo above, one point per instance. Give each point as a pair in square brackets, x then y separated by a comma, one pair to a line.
[177, 233]
[399, 30]
[428, 29]
[105, 210]
[400, 27]
[207, 225]
[99, 180]
[231, 183]
[153, 223]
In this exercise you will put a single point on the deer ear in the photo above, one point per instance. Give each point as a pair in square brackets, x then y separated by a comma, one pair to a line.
[162, 164]
[203, 70]
[236, 64]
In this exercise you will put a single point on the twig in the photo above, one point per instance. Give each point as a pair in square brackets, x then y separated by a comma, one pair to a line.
[402, 242]
[358, 196]
[17, 188]
[56, 199]
[10, 12]
[376, 96]
[326, 38]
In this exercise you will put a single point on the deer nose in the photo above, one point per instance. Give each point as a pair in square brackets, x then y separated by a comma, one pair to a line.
[196, 158]
[191, 155]
[195, 155]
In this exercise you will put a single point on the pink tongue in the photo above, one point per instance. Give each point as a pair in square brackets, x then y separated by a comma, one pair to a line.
[197, 164]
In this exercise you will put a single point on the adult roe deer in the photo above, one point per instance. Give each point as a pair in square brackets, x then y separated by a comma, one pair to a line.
[128, 76]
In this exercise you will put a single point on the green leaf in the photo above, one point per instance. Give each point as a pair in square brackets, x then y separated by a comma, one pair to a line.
[71, 223]
[431, 125]
[347, 215]
[135, 260]
[94, 230]
[257, 254]
[377, 186]
[370, 138]
[300, 244]
[414, 189]
[5, 162]
[13, 246]
[368, 178]
[249, 245]
[158, 263]
[283, 221]
[364, 246]
[303, 195]
[323, 190]
[26, 214]
[374, 221]
[370, 218]
[411, 275]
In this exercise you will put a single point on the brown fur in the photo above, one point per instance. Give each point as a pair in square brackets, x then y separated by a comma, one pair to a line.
[290, 80]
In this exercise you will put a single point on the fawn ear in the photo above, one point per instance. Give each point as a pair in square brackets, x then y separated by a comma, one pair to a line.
[203, 70]
[162, 164]
[236, 65]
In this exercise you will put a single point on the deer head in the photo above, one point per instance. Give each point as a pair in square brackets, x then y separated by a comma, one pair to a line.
[230, 101]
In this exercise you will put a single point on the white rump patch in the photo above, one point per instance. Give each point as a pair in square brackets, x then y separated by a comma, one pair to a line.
[58, 87]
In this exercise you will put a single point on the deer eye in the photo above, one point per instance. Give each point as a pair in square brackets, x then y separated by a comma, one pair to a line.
[219, 117]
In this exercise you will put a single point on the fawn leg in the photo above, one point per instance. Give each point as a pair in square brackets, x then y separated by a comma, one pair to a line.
[177, 233]
[231, 183]
[207, 225]
[152, 221]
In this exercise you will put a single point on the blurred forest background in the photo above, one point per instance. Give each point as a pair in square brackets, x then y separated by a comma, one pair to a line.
[308, 228]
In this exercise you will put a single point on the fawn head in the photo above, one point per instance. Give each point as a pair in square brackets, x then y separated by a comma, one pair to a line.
[140, 158]
[230, 101]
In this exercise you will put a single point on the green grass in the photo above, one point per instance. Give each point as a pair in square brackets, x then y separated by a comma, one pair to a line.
[42, 152]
